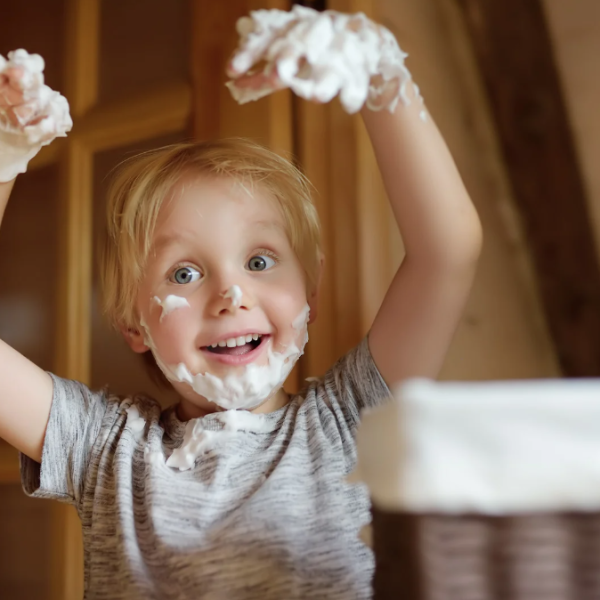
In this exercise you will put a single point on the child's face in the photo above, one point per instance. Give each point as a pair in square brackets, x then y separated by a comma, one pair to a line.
[210, 236]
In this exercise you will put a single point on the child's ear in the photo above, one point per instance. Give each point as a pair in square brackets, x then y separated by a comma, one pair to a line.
[313, 299]
[134, 338]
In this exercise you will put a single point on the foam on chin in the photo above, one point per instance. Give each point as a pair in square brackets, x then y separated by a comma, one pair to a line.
[249, 389]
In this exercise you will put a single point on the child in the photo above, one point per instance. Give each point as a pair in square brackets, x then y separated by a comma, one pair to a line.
[212, 263]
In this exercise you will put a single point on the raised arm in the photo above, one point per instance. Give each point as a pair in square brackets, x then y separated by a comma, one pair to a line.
[31, 115]
[321, 55]
[442, 237]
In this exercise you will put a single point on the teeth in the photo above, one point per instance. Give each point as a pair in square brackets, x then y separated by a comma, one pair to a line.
[239, 341]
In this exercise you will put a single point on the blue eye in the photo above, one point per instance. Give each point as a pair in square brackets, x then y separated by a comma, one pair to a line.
[185, 275]
[260, 263]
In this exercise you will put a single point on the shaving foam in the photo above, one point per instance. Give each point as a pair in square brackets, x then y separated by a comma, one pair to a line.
[235, 294]
[170, 303]
[153, 457]
[42, 115]
[319, 55]
[247, 390]
[135, 421]
[197, 440]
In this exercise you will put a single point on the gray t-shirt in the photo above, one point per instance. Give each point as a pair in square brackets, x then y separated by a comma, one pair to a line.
[263, 515]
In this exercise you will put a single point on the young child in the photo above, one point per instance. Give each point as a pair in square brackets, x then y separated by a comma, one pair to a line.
[212, 263]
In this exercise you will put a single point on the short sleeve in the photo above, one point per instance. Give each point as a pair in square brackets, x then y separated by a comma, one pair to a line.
[356, 383]
[75, 421]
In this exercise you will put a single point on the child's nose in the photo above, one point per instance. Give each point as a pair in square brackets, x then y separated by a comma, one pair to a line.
[232, 299]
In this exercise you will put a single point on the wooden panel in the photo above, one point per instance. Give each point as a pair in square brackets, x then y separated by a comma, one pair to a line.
[216, 114]
[9, 464]
[515, 54]
[153, 113]
[25, 547]
[142, 46]
[113, 362]
[81, 55]
[37, 26]
[28, 267]
[575, 30]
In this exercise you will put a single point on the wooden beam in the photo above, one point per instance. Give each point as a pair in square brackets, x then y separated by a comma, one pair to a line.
[514, 50]
[73, 350]
[82, 54]
[151, 114]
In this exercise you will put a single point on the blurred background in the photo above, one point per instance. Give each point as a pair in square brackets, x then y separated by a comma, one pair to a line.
[512, 85]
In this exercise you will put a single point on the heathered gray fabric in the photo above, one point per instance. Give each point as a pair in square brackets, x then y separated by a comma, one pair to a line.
[263, 516]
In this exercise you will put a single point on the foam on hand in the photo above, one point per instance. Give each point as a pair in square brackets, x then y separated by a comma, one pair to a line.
[34, 120]
[319, 55]
[235, 294]
[170, 303]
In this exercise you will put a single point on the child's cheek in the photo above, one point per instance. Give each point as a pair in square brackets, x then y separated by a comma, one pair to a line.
[172, 334]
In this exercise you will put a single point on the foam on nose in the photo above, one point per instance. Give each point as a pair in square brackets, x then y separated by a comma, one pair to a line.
[235, 294]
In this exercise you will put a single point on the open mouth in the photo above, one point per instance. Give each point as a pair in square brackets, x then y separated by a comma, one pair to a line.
[237, 346]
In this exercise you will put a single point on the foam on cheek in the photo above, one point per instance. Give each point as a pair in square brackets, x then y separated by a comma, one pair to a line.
[170, 303]
[235, 294]
[256, 383]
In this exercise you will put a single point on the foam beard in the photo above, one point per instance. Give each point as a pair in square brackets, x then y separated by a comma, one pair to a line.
[248, 390]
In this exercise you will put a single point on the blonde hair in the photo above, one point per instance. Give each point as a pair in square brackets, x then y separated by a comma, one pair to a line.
[144, 182]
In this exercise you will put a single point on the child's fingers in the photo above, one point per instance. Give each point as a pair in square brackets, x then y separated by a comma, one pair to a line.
[258, 81]
[11, 86]
[242, 61]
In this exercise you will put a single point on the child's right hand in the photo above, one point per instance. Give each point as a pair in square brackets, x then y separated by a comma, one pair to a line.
[31, 114]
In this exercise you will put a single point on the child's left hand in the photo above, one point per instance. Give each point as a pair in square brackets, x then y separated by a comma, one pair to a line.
[318, 55]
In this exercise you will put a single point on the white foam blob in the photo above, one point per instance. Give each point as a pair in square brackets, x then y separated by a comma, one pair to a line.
[42, 115]
[322, 54]
[170, 303]
[248, 389]
[198, 441]
[236, 420]
[235, 294]
[135, 421]
[153, 457]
